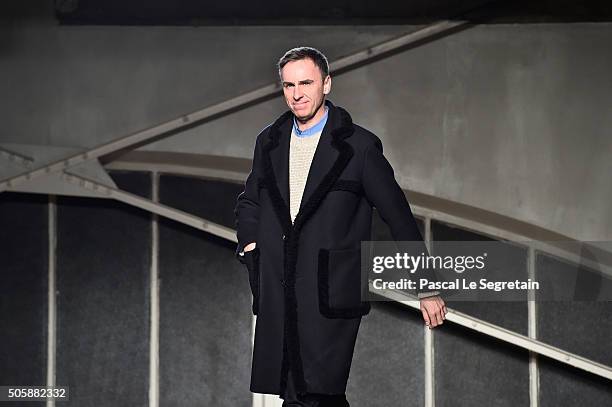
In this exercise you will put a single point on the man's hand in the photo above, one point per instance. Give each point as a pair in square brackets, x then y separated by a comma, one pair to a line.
[434, 311]
[249, 247]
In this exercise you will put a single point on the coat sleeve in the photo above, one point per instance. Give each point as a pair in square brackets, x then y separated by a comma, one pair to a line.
[246, 210]
[383, 191]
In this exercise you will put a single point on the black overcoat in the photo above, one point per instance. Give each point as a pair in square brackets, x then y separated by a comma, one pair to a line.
[305, 276]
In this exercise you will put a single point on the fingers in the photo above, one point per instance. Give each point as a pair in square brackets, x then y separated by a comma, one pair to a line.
[434, 312]
[431, 320]
[443, 307]
[439, 314]
[425, 316]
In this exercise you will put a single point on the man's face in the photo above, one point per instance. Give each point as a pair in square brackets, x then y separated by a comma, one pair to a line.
[304, 88]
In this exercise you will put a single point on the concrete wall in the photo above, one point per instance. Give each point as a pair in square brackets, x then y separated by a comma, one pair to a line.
[510, 118]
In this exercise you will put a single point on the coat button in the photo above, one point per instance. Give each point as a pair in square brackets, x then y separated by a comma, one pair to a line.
[282, 282]
[284, 237]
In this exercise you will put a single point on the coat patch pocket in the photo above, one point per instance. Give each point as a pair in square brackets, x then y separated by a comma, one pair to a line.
[347, 185]
[339, 283]
[251, 260]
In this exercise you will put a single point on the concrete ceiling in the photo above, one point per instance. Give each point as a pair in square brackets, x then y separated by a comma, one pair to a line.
[281, 12]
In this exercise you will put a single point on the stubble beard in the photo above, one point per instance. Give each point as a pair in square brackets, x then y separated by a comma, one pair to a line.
[304, 120]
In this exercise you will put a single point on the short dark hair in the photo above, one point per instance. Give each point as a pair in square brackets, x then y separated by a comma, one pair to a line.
[299, 53]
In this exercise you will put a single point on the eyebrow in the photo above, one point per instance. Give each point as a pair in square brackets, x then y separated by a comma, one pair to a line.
[304, 82]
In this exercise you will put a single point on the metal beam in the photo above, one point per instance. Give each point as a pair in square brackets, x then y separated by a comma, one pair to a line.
[51, 296]
[157, 131]
[429, 376]
[532, 332]
[154, 303]
[153, 207]
[16, 157]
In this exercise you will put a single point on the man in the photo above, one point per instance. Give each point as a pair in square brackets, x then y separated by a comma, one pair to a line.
[306, 207]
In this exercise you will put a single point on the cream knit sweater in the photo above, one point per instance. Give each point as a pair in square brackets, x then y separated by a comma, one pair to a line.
[301, 153]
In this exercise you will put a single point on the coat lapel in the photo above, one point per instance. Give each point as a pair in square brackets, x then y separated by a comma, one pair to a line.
[331, 157]
[279, 157]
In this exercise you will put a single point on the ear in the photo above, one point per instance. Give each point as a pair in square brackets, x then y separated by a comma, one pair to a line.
[327, 85]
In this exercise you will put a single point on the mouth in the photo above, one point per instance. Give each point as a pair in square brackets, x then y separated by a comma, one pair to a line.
[299, 105]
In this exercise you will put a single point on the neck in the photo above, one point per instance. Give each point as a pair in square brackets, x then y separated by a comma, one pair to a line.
[303, 125]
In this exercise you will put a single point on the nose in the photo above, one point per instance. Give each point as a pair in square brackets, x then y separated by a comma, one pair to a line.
[297, 92]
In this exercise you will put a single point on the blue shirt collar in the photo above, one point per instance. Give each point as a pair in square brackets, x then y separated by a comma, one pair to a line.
[311, 130]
